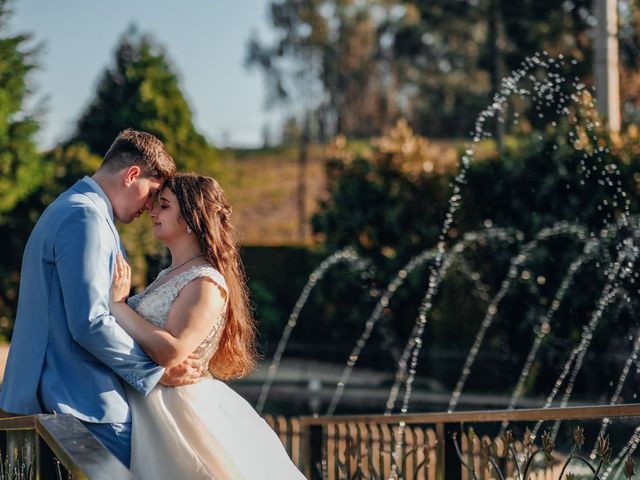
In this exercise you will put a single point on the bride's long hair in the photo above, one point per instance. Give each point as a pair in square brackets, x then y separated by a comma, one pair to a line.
[207, 214]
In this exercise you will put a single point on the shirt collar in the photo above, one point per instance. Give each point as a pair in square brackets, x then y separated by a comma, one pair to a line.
[100, 192]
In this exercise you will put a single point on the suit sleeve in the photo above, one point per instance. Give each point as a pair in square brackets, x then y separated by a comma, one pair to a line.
[84, 261]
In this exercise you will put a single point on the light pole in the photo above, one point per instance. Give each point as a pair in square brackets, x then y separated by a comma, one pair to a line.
[607, 77]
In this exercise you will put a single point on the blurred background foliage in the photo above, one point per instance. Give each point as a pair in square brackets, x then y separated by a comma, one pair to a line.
[391, 211]
[387, 91]
[356, 67]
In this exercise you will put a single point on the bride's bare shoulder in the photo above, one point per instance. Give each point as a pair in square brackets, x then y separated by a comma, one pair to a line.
[201, 292]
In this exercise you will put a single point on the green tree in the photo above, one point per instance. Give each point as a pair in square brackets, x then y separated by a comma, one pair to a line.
[436, 62]
[455, 53]
[333, 58]
[20, 163]
[141, 90]
[22, 169]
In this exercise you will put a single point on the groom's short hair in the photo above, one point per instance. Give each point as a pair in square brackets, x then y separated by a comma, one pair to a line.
[132, 147]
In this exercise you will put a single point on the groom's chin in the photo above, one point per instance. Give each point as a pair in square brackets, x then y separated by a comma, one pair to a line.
[130, 218]
[127, 220]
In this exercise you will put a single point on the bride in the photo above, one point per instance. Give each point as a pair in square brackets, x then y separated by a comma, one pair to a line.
[198, 305]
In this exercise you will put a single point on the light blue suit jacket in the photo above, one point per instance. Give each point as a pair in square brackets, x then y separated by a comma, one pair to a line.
[67, 352]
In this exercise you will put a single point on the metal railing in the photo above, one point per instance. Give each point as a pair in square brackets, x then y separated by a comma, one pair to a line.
[439, 446]
[430, 446]
[54, 447]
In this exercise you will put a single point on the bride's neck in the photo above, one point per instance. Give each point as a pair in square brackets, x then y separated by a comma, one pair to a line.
[182, 251]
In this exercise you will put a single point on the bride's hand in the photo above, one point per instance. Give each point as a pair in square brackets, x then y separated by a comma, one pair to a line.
[121, 284]
[187, 373]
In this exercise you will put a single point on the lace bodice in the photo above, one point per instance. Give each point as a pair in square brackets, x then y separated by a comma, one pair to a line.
[154, 303]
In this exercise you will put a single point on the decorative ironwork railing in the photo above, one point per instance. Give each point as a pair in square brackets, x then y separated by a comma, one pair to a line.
[467, 445]
[351, 444]
[506, 458]
[48, 447]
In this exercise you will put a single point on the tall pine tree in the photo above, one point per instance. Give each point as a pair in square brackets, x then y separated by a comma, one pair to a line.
[141, 90]
[20, 167]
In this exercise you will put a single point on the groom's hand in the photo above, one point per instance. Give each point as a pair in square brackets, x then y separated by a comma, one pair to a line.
[187, 373]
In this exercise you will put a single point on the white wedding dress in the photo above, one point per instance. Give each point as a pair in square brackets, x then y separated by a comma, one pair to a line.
[199, 431]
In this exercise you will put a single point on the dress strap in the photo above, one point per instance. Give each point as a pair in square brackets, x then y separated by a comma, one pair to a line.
[200, 271]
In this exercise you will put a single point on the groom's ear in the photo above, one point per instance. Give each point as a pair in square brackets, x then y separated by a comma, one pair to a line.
[131, 174]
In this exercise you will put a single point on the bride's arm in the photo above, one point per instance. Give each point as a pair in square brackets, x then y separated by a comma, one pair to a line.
[190, 319]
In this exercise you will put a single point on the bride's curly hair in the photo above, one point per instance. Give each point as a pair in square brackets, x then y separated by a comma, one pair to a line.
[207, 214]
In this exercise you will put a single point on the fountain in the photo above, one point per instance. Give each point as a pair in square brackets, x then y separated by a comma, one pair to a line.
[612, 248]
[348, 256]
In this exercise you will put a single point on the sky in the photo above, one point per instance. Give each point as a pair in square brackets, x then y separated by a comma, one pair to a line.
[205, 40]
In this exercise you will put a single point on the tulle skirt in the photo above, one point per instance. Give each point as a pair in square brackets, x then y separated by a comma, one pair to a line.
[203, 431]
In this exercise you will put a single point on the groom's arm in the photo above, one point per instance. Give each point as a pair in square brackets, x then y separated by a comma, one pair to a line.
[84, 266]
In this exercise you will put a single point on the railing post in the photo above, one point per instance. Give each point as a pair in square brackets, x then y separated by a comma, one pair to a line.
[440, 451]
[46, 461]
[305, 448]
[312, 450]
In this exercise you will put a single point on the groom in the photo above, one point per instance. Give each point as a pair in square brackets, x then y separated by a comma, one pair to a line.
[67, 352]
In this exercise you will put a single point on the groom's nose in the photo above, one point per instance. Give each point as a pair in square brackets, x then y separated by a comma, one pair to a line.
[149, 204]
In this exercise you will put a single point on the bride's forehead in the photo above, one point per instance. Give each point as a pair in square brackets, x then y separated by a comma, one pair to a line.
[167, 195]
